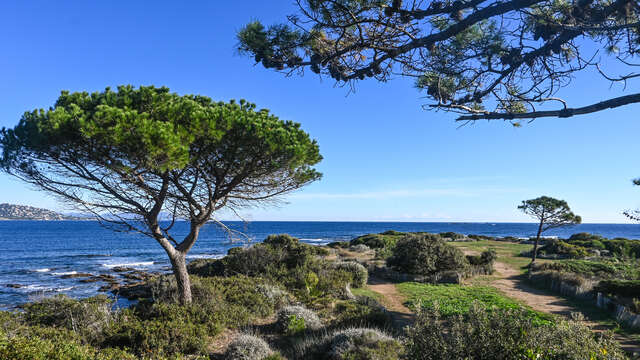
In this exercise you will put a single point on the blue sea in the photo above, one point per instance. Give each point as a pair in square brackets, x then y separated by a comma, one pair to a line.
[36, 255]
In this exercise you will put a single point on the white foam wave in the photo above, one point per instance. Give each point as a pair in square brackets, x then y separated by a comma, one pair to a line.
[42, 270]
[205, 256]
[64, 289]
[35, 287]
[64, 273]
[133, 264]
[315, 240]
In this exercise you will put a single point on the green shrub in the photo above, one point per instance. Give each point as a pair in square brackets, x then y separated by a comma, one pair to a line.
[559, 247]
[300, 315]
[86, 317]
[237, 292]
[339, 244]
[168, 331]
[351, 344]
[451, 235]
[364, 344]
[622, 288]
[483, 263]
[373, 241]
[35, 348]
[206, 267]
[585, 236]
[426, 254]
[481, 237]
[386, 239]
[295, 325]
[358, 272]
[360, 248]
[249, 347]
[623, 247]
[618, 247]
[276, 296]
[602, 269]
[486, 257]
[504, 335]
[364, 311]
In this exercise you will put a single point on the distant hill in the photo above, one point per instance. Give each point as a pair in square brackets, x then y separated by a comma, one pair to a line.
[22, 212]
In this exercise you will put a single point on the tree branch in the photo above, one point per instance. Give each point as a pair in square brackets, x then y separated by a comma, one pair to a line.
[564, 113]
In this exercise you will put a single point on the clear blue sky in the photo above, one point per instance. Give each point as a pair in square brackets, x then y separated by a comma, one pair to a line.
[385, 158]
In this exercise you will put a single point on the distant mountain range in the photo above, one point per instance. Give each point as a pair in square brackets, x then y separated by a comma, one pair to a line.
[22, 212]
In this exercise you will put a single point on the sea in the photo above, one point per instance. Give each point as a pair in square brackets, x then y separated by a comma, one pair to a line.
[40, 258]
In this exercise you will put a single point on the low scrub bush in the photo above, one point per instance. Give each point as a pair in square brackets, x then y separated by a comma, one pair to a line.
[86, 317]
[620, 288]
[483, 263]
[281, 259]
[373, 241]
[504, 335]
[360, 248]
[585, 236]
[34, 348]
[426, 254]
[276, 296]
[364, 311]
[601, 269]
[551, 278]
[618, 247]
[162, 337]
[339, 244]
[385, 240]
[297, 317]
[452, 235]
[236, 293]
[351, 344]
[364, 344]
[481, 237]
[562, 249]
[248, 347]
[167, 328]
[623, 248]
[358, 272]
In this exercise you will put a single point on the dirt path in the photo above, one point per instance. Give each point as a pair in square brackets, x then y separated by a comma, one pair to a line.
[393, 301]
[511, 283]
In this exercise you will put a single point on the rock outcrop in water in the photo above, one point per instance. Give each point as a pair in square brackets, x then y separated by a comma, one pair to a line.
[22, 212]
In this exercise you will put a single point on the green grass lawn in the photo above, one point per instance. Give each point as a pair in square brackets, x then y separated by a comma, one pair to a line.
[508, 252]
[456, 299]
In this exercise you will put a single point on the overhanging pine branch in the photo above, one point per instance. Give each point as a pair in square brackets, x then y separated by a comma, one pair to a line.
[564, 113]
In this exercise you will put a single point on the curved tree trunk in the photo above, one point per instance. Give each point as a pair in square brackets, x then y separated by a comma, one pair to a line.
[179, 265]
[535, 247]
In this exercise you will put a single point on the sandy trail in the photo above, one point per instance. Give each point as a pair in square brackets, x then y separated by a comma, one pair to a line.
[512, 284]
[393, 301]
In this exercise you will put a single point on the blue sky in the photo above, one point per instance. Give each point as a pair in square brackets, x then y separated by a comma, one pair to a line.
[385, 159]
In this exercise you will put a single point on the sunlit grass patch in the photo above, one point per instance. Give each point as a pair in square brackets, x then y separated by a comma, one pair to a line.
[457, 299]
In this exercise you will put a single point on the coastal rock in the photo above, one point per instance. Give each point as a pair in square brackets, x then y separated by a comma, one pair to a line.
[119, 269]
[76, 275]
[111, 287]
[133, 291]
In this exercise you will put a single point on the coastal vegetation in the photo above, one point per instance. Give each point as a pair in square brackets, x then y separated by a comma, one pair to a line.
[133, 155]
[283, 299]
